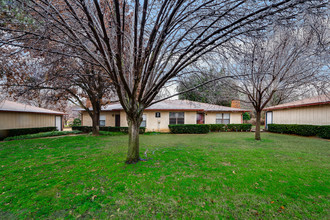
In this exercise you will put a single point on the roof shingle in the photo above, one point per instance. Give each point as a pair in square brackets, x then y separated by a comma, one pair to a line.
[179, 105]
[317, 100]
[10, 106]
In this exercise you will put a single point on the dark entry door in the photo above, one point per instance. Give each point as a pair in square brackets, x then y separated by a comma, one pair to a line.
[200, 118]
[117, 120]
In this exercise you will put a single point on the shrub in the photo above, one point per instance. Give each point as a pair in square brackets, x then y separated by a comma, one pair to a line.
[43, 134]
[88, 129]
[276, 128]
[189, 129]
[324, 131]
[246, 116]
[246, 127]
[239, 127]
[24, 131]
[76, 122]
[85, 129]
[142, 130]
[217, 127]
[303, 130]
[115, 129]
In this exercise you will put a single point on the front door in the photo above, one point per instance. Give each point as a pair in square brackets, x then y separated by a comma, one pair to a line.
[58, 123]
[117, 120]
[200, 118]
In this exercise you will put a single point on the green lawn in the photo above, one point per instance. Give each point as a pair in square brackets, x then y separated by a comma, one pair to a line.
[218, 175]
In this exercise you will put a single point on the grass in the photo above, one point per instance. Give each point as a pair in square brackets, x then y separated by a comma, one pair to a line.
[217, 175]
[41, 134]
[110, 133]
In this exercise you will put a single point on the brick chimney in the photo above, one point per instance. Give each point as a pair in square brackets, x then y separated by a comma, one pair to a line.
[235, 104]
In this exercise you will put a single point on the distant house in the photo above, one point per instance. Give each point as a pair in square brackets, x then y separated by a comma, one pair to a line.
[158, 116]
[311, 111]
[16, 115]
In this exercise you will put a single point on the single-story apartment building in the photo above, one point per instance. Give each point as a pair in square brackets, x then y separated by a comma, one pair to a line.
[15, 115]
[158, 116]
[310, 111]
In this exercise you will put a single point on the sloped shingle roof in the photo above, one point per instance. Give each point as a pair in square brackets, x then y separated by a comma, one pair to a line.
[10, 106]
[179, 105]
[317, 100]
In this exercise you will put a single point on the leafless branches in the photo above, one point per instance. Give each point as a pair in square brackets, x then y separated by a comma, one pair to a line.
[285, 62]
[143, 45]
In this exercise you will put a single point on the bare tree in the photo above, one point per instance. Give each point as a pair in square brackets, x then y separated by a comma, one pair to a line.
[142, 44]
[53, 81]
[279, 65]
[17, 70]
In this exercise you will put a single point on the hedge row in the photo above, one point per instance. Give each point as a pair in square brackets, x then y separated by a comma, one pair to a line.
[239, 127]
[303, 130]
[87, 129]
[189, 129]
[324, 132]
[24, 131]
[205, 128]
[217, 127]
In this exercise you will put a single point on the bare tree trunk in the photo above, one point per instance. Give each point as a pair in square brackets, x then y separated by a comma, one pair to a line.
[133, 155]
[257, 133]
[96, 123]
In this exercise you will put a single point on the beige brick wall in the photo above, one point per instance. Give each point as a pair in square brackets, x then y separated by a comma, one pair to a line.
[161, 124]
[235, 118]
[86, 119]
[157, 124]
[311, 115]
[123, 119]
[12, 120]
[190, 117]
[109, 118]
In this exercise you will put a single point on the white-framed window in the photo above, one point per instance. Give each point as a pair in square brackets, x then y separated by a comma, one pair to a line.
[144, 121]
[226, 118]
[218, 119]
[176, 118]
[102, 120]
[222, 118]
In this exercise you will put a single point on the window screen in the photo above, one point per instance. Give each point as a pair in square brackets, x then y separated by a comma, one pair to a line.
[222, 118]
[218, 119]
[226, 118]
[176, 118]
[102, 120]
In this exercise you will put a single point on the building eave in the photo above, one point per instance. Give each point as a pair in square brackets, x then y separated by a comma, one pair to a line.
[176, 110]
[227, 110]
[44, 113]
[296, 106]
